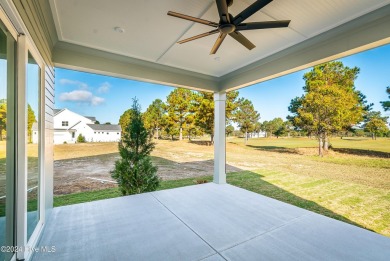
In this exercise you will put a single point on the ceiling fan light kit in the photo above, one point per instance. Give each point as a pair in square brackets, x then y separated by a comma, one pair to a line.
[231, 25]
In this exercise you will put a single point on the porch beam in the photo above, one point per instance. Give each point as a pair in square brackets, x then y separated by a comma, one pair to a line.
[219, 137]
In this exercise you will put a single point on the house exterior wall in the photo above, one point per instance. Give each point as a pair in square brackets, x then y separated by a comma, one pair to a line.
[76, 125]
[61, 137]
[106, 136]
[68, 116]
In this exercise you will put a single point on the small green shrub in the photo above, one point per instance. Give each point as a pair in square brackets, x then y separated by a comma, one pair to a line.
[80, 138]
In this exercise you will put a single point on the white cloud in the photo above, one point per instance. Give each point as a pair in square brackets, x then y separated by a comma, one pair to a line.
[80, 85]
[81, 96]
[104, 87]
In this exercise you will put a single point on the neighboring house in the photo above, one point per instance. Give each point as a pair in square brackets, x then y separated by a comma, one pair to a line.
[69, 125]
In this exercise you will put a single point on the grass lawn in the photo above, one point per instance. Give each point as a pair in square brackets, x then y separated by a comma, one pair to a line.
[88, 196]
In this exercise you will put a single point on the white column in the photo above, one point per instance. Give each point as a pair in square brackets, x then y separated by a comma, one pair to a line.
[219, 138]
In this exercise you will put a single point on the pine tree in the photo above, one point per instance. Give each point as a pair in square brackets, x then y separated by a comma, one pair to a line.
[330, 103]
[135, 172]
[386, 104]
[375, 124]
[246, 116]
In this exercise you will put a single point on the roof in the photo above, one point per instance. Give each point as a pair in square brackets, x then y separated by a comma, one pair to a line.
[56, 111]
[319, 31]
[91, 118]
[105, 127]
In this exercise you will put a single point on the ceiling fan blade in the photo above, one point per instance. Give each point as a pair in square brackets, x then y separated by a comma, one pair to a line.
[263, 25]
[253, 8]
[198, 36]
[223, 11]
[218, 43]
[242, 40]
[192, 19]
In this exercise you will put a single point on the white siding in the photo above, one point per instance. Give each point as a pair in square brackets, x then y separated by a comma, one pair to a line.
[70, 118]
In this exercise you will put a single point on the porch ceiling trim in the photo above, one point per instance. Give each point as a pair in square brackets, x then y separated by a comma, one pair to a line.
[76, 57]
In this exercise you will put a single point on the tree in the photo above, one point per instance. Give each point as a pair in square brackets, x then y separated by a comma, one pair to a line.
[107, 123]
[386, 104]
[203, 107]
[125, 119]
[375, 124]
[277, 127]
[30, 121]
[169, 126]
[257, 128]
[246, 116]
[178, 104]
[229, 130]
[153, 116]
[80, 138]
[330, 103]
[3, 119]
[134, 171]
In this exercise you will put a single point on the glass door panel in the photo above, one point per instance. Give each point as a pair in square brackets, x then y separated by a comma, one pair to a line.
[33, 140]
[7, 145]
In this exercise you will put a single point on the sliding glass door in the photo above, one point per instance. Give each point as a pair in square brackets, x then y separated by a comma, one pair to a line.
[33, 144]
[7, 143]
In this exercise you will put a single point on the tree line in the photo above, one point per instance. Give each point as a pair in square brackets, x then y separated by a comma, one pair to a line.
[187, 113]
[330, 105]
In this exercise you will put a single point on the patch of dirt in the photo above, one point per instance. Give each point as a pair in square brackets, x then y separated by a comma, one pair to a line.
[77, 163]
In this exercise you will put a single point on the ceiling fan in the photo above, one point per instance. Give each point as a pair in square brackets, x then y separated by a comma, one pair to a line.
[229, 25]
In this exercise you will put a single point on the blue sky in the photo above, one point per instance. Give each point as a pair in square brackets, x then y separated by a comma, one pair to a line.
[107, 98]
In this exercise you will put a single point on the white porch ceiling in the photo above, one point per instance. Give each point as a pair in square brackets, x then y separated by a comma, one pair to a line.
[151, 35]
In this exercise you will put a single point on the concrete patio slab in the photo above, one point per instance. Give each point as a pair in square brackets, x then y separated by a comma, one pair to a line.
[117, 229]
[204, 222]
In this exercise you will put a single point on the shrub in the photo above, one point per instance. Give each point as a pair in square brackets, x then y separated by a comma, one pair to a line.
[135, 172]
[80, 138]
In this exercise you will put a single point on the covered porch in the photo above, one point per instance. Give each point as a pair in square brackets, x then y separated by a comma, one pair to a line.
[137, 40]
[203, 222]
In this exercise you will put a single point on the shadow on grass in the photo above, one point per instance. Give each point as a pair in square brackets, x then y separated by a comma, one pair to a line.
[254, 182]
[278, 149]
[360, 152]
[201, 142]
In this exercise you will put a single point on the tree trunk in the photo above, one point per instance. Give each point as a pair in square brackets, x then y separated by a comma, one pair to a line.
[320, 146]
[212, 138]
[181, 133]
[157, 132]
[246, 136]
[326, 142]
[373, 135]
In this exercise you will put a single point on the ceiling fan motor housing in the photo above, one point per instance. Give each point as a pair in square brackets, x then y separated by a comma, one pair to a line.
[226, 28]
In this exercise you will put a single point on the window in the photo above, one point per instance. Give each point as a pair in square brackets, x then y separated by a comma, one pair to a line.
[117, 133]
[108, 133]
[65, 123]
[95, 132]
[73, 135]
